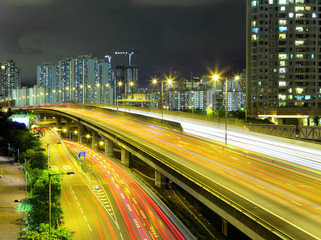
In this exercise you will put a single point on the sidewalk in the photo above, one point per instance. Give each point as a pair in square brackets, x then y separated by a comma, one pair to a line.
[12, 184]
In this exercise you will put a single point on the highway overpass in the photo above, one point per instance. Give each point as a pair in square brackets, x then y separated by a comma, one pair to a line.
[263, 200]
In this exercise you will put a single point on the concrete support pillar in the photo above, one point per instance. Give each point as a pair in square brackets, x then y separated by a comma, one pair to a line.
[125, 157]
[81, 133]
[224, 227]
[160, 180]
[68, 123]
[94, 140]
[109, 147]
[58, 122]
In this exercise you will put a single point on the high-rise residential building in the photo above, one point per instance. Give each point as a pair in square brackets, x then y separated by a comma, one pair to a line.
[126, 81]
[21, 96]
[284, 59]
[10, 79]
[47, 77]
[81, 79]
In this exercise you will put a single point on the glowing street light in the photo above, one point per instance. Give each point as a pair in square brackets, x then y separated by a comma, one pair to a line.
[131, 84]
[215, 78]
[169, 81]
[120, 84]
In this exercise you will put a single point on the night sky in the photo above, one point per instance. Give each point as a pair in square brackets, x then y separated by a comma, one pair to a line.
[182, 35]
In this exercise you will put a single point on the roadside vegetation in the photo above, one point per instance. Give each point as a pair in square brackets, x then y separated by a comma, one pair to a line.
[24, 147]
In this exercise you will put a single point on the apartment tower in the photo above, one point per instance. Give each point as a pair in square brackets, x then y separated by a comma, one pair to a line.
[284, 60]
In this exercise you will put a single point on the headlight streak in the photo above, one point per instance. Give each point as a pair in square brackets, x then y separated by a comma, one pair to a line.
[134, 205]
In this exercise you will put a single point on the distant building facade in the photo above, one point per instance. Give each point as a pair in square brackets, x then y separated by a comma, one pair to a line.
[82, 79]
[10, 79]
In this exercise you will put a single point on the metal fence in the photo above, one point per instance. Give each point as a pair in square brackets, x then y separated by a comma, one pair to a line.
[296, 132]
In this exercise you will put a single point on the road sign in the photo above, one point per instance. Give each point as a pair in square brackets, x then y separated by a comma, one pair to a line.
[82, 155]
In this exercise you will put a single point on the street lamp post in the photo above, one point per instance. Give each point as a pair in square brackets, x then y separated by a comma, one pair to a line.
[105, 92]
[162, 96]
[98, 90]
[226, 109]
[169, 81]
[119, 93]
[91, 158]
[132, 89]
[49, 175]
[25, 177]
[90, 94]
[20, 214]
[216, 77]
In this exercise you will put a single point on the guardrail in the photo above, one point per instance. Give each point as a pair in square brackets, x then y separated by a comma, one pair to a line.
[288, 131]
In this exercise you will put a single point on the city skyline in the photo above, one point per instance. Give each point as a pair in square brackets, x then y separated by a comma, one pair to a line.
[187, 36]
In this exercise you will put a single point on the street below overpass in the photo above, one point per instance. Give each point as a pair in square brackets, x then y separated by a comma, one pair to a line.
[283, 196]
[107, 203]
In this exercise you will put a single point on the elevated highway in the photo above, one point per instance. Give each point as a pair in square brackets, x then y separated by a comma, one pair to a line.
[261, 199]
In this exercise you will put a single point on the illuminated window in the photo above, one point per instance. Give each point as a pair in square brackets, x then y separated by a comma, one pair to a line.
[282, 70]
[290, 97]
[299, 1]
[299, 56]
[282, 22]
[283, 29]
[299, 8]
[282, 9]
[299, 98]
[299, 90]
[282, 1]
[253, 23]
[282, 97]
[290, 90]
[282, 63]
[299, 42]
[255, 30]
[254, 3]
[299, 15]
[282, 104]
[281, 76]
[312, 56]
[308, 8]
[314, 15]
[291, 15]
[282, 36]
[307, 97]
[270, 1]
[253, 37]
[299, 29]
[282, 84]
[282, 56]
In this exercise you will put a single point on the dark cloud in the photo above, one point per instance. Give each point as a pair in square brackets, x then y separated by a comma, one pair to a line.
[187, 35]
[23, 3]
[174, 3]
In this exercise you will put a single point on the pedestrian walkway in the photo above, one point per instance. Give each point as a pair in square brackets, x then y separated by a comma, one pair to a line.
[12, 186]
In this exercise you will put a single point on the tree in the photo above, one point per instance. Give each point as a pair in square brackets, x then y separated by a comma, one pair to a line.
[220, 106]
[209, 112]
[39, 201]
[23, 140]
[316, 120]
[36, 159]
[42, 232]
